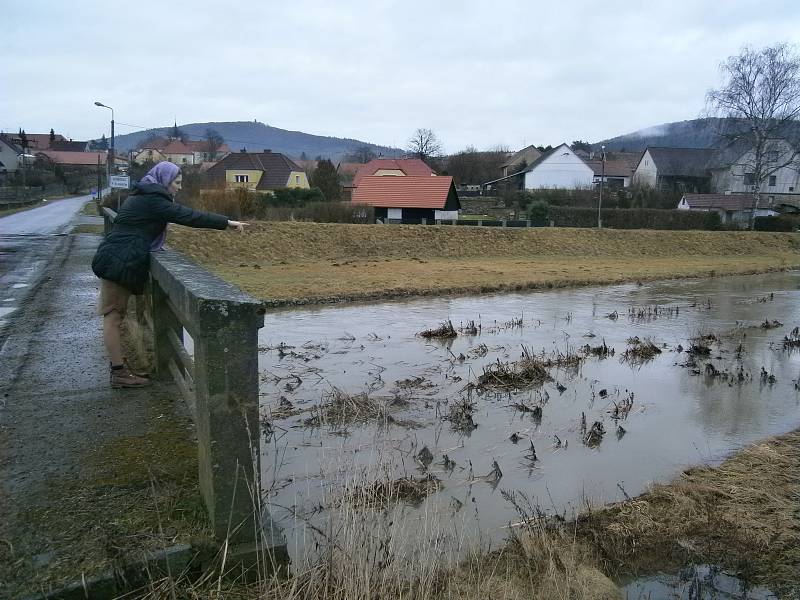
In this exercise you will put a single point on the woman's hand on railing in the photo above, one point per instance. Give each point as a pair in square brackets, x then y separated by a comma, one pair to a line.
[238, 225]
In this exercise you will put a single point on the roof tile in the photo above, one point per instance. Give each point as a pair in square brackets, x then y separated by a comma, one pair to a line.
[403, 192]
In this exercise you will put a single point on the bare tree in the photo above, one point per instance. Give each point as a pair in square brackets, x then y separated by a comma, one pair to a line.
[471, 166]
[361, 154]
[213, 142]
[424, 145]
[760, 99]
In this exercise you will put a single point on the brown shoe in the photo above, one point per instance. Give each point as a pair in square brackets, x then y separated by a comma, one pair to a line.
[135, 372]
[123, 378]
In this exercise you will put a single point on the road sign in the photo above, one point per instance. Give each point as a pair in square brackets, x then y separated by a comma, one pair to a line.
[120, 182]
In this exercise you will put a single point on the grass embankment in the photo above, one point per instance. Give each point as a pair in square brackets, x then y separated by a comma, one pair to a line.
[287, 263]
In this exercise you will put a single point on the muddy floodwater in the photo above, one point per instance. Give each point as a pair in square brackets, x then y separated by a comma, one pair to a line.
[656, 416]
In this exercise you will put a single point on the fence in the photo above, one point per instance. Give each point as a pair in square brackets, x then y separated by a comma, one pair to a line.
[218, 378]
[462, 222]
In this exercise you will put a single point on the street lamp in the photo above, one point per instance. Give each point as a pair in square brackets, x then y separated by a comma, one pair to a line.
[602, 181]
[113, 155]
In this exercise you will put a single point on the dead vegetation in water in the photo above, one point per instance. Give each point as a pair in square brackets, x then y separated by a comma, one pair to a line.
[513, 375]
[640, 351]
[792, 340]
[443, 332]
[460, 415]
[774, 324]
[700, 345]
[385, 493]
[602, 351]
[741, 515]
[340, 408]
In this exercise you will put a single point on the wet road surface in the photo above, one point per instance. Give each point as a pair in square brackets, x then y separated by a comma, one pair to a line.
[29, 240]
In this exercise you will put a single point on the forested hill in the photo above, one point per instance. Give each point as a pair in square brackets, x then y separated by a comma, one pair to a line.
[256, 136]
[697, 133]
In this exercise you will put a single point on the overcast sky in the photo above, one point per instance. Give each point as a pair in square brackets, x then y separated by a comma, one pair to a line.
[476, 72]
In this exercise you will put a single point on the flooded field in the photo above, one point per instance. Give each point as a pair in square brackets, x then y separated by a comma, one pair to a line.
[565, 397]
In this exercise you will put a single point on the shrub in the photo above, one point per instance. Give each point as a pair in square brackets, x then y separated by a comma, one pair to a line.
[780, 223]
[285, 205]
[633, 218]
[538, 213]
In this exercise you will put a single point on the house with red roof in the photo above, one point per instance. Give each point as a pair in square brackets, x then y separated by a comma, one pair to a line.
[408, 198]
[398, 167]
[69, 158]
[182, 153]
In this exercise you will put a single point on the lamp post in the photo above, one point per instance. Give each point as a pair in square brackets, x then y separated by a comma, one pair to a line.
[112, 153]
[602, 181]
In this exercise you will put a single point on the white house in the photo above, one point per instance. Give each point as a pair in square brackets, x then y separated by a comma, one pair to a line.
[559, 168]
[674, 169]
[731, 208]
[732, 172]
[9, 155]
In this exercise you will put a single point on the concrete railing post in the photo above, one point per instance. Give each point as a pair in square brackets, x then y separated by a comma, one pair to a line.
[226, 396]
[527, 223]
[503, 223]
[164, 321]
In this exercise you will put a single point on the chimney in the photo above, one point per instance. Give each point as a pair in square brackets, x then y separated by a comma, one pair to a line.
[267, 150]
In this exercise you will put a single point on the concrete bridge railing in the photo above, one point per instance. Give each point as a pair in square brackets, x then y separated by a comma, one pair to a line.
[218, 377]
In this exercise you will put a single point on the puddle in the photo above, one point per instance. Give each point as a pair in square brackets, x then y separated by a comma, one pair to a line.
[19, 285]
[694, 583]
[658, 416]
[5, 311]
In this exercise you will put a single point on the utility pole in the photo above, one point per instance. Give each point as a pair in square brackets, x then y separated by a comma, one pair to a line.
[111, 157]
[602, 181]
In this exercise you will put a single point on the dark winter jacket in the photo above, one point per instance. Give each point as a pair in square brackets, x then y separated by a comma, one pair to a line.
[124, 255]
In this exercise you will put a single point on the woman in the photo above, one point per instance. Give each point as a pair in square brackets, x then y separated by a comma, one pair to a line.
[122, 261]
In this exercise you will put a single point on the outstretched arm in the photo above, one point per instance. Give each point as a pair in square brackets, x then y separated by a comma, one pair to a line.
[173, 212]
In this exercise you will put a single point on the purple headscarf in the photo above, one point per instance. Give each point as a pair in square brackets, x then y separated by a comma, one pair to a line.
[163, 174]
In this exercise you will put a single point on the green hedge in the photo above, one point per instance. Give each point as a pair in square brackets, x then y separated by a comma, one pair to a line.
[632, 218]
[781, 223]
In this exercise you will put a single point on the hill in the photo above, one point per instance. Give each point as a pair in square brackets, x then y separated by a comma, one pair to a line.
[696, 133]
[256, 136]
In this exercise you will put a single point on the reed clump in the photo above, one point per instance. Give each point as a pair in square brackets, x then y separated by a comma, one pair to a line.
[444, 331]
[640, 351]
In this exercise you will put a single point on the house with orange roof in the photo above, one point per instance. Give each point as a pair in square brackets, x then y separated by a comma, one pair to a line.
[398, 167]
[408, 198]
[182, 153]
[69, 158]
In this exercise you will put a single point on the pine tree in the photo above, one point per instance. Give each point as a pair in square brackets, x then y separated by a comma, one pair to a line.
[326, 179]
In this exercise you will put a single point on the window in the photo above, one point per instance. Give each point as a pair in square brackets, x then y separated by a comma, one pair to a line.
[749, 179]
[184, 161]
[791, 188]
[771, 156]
[771, 200]
[297, 178]
[242, 178]
[772, 179]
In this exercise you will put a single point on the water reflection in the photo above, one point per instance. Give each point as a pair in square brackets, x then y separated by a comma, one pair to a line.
[680, 415]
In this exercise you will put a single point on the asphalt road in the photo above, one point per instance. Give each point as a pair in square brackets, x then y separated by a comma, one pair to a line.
[51, 217]
[29, 241]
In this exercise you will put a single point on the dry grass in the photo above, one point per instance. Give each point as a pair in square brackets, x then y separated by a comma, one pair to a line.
[290, 262]
[639, 351]
[340, 408]
[743, 515]
[517, 375]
